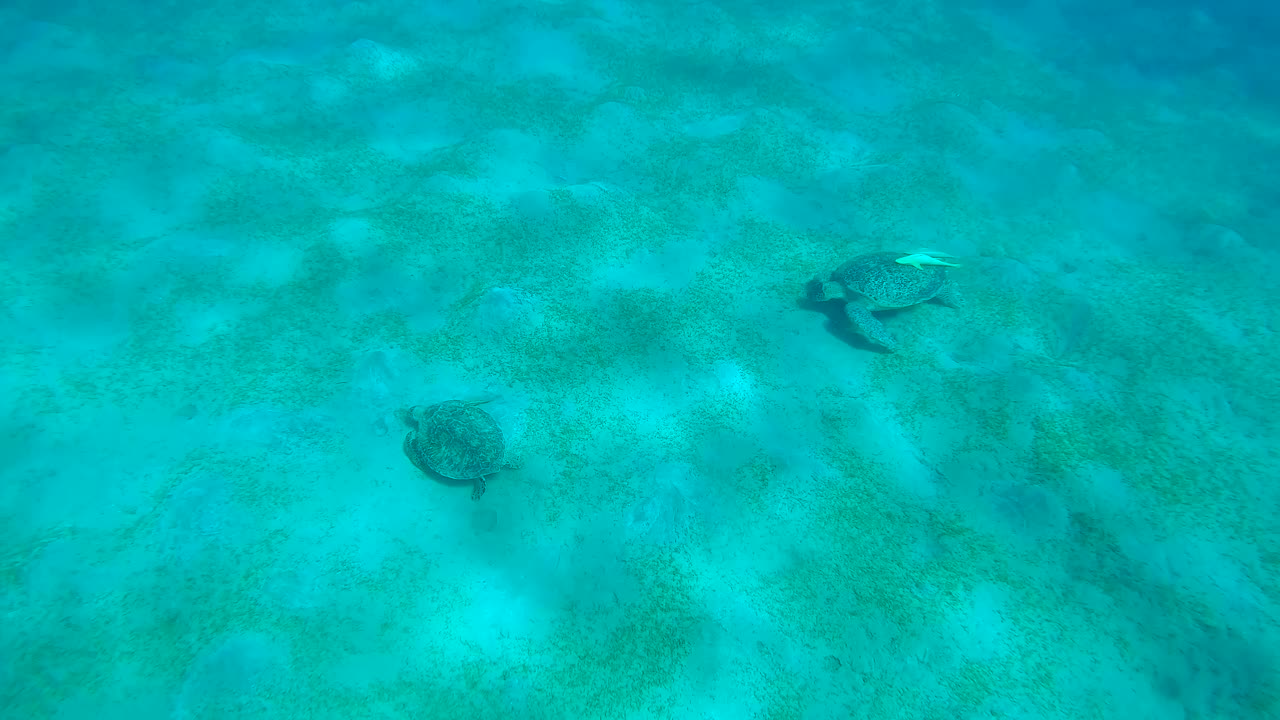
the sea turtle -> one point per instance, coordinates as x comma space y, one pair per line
456, 440
877, 281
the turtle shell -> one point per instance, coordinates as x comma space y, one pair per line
888, 284
455, 439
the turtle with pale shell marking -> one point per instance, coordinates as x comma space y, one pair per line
882, 281
456, 440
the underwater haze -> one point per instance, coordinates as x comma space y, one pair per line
640, 359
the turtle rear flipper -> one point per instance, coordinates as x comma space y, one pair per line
870, 328
477, 490
948, 295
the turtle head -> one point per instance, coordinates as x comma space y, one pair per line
406, 416
413, 415
819, 290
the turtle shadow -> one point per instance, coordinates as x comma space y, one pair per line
838, 324
447, 481
444, 479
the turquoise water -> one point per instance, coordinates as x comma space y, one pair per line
239, 240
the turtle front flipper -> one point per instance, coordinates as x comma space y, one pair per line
869, 327
411, 451
477, 490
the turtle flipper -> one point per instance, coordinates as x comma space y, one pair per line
411, 451
477, 490
948, 295
869, 327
